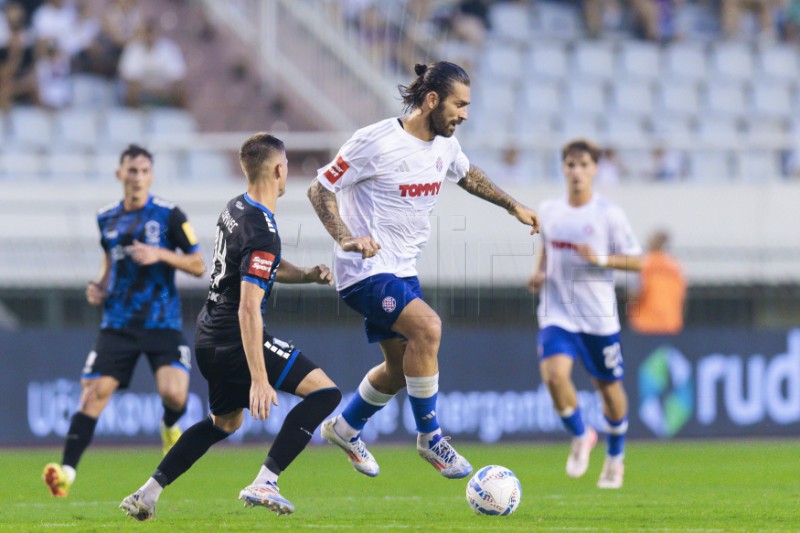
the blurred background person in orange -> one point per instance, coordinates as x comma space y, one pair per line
658, 308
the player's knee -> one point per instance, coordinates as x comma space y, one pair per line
555, 380
228, 423
325, 400
429, 330
174, 398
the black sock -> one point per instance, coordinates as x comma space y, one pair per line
170, 416
192, 445
299, 426
81, 430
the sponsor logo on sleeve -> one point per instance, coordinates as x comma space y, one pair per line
261, 264
336, 169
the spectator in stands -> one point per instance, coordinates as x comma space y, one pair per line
667, 165
470, 21
120, 21
656, 19
609, 169
599, 15
658, 307
791, 21
17, 80
56, 20
764, 10
54, 88
511, 169
153, 69
82, 46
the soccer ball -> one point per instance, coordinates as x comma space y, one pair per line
494, 490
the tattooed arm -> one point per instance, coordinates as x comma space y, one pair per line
324, 202
477, 183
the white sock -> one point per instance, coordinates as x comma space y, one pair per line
70, 473
152, 490
426, 438
616, 458
345, 430
266, 476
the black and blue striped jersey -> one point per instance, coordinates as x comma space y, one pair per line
247, 248
143, 296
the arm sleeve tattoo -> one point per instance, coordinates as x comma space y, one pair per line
324, 202
477, 183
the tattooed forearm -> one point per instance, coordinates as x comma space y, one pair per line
324, 202
476, 182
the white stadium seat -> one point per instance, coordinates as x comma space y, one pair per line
205, 165
778, 62
21, 165
592, 60
557, 21
639, 60
625, 130
77, 127
718, 130
501, 62
168, 166
170, 122
725, 98
122, 127
541, 97
685, 62
709, 166
586, 97
672, 129
67, 167
632, 97
757, 166
31, 127
573, 125
766, 131
771, 98
510, 21
678, 98
732, 61
547, 61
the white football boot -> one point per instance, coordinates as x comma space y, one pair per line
356, 450
578, 459
138, 509
443, 457
613, 473
266, 495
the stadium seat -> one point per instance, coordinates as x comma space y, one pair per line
592, 60
31, 127
542, 97
732, 62
170, 122
547, 61
103, 165
778, 62
678, 98
639, 60
93, 92
122, 126
757, 166
586, 97
510, 21
718, 131
77, 128
672, 129
557, 21
573, 125
709, 166
725, 98
168, 166
771, 99
73, 167
496, 97
2, 131
685, 62
21, 165
501, 62
632, 97
534, 127
766, 132
625, 130
208, 165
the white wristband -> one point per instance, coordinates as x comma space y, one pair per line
602, 261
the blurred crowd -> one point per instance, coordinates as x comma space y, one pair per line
43, 43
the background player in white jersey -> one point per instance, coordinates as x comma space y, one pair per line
586, 237
375, 199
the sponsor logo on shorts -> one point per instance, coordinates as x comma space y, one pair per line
261, 264
389, 304
336, 170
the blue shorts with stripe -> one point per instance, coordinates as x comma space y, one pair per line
380, 299
601, 355
228, 375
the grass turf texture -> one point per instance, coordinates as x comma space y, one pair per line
690, 486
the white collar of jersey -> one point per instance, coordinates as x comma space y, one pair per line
411, 138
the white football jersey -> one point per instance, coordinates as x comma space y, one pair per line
386, 183
577, 296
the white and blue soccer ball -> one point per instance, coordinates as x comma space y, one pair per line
494, 490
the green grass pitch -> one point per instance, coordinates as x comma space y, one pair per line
687, 486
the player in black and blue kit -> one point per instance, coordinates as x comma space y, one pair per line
140, 236
244, 365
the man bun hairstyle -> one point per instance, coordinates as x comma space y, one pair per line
581, 145
438, 77
257, 149
133, 151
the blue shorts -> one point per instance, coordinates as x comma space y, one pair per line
380, 299
601, 355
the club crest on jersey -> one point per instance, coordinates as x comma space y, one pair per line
439, 164
389, 304
152, 233
336, 170
261, 264
420, 189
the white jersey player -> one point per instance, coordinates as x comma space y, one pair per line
375, 199
585, 238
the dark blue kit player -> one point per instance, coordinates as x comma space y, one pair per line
141, 236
